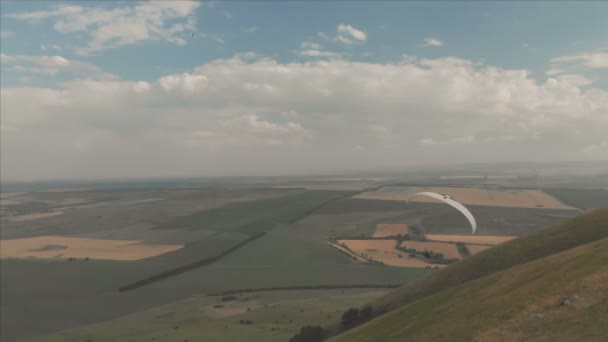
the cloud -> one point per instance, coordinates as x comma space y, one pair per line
593, 60
236, 116
318, 53
432, 42
250, 29
45, 47
170, 21
323, 35
553, 72
576, 80
310, 45
347, 34
51, 65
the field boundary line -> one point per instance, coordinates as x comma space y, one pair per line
306, 287
188, 267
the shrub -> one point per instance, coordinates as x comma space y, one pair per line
309, 333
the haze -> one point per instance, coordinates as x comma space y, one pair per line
126, 89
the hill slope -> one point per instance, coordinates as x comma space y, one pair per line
561, 297
580, 230
574, 232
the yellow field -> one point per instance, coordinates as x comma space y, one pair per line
389, 229
384, 251
477, 239
70, 247
516, 198
35, 216
474, 249
449, 250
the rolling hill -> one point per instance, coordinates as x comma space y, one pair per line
561, 297
584, 231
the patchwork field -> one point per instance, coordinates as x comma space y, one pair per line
474, 239
494, 197
447, 249
389, 229
150, 226
384, 251
70, 247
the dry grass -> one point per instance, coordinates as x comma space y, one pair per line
517, 198
70, 247
449, 250
385, 252
389, 229
474, 249
477, 239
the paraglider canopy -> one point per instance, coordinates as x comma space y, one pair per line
448, 200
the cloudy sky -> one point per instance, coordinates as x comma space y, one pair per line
152, 89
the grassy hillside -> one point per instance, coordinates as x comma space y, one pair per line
574, 232
571, 233
560, 297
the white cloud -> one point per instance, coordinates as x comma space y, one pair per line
576, 80
171, 21
351, 31
347, 34
51, 65
555, 71
593, 60
323, 35
266, 117
310, 45
318, 53
45, 47
432, 42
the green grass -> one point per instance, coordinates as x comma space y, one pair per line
283, 311
501, 306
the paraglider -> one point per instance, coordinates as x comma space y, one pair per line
448, 200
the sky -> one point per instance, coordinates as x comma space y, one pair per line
126, 89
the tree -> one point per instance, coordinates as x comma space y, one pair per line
350, 317
366, 313
309, 333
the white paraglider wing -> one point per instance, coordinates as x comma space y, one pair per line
453, 203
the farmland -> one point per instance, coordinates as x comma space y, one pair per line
387, 229
493, 197
70, 247
279, 237
473, 239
